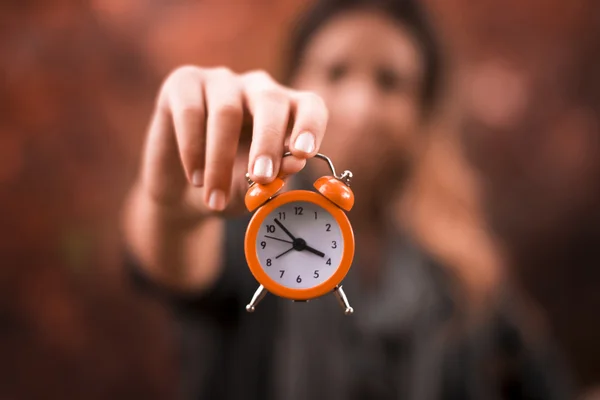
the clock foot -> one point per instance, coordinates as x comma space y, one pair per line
341, 296
258, 296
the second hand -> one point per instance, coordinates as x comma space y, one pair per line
281, 240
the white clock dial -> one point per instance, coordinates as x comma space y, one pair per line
307, 254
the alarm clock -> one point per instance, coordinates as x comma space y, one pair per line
299, 244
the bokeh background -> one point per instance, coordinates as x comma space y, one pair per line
77, 85
78, 80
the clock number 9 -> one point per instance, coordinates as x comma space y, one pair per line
263, 244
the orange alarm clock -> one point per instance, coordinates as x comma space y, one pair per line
299, 244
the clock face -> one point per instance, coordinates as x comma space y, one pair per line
299, 245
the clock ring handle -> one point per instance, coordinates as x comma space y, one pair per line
345, 177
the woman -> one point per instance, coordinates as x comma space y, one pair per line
367, 72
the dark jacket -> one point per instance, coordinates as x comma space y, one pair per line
401, 342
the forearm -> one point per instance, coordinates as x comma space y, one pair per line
176, 252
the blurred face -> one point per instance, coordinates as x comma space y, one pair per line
368, 69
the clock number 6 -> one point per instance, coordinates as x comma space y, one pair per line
298, 279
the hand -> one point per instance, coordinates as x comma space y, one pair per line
314, 251
281, 240
302, 247
211, 124
285, 252
299, 244
283, 228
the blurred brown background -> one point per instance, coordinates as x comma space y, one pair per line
77, 85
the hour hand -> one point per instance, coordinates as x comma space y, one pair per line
314, 251
284, 229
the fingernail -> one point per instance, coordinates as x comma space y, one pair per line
197, 178
305, 142
216, 200
263, 167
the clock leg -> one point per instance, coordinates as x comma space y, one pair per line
258, 296
341, 296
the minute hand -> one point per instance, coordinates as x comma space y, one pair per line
284, 229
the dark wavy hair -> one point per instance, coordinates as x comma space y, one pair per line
405, 12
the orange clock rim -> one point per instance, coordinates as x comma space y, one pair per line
283, 291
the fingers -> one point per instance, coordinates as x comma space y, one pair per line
161, 175
310, 123
198, 123
291, 165
174, 137
225, 114
185, 99
270, 106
